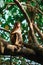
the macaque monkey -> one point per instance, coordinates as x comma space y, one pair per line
16, 36
15, 33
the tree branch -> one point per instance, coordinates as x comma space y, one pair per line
35, 54
35, 8
4, 30
11, 3
38, 30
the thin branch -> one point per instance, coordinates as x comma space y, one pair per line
38, 30
11, 3
7, 4
36, 43
38, 5
4, 30
34, 8
40, 11
25, 5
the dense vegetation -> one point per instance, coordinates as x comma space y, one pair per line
10, 13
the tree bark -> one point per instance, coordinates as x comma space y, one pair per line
28, 51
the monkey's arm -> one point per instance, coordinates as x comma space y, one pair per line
16, 31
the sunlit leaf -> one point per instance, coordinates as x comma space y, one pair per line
6, 27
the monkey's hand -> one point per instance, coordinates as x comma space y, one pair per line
12, 47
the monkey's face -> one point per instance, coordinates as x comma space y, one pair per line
18, 25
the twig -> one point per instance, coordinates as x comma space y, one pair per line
38, 30
34, 8
11, 3
40, 11
24, 5
4, 30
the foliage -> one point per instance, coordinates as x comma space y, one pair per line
9, 14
